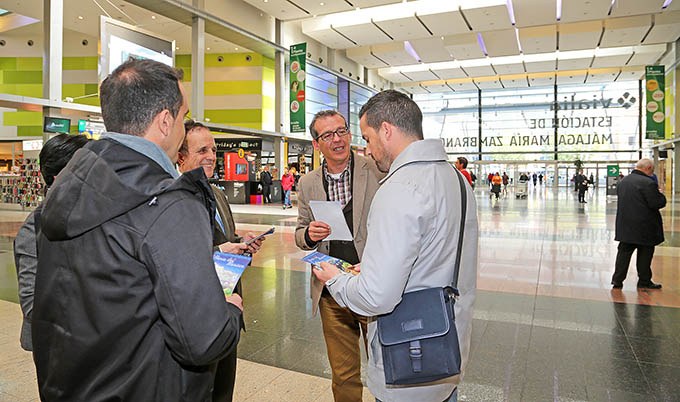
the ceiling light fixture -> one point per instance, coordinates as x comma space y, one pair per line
235, 48
80, 17
153, 17
480, 40
207, 48
266, 1
519, 44
177, 48
411, 51
511, 12
321, 4
559, 10
666, 3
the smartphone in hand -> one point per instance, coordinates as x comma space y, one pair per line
261, 235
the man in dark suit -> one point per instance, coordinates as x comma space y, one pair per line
199, 150
266, 180
638, 224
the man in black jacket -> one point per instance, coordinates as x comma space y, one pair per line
128, 306
638, 224
266, 179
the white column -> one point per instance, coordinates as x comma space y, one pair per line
198, 64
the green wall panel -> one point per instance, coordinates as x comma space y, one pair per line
22, 77
187, 74
8, 63
22, 118
91, 89
10, 89
229, 116
32, 90
30, 131
233, 60
268, 63
268, 75
233, 88
183, 60
29, 63
72, 90
79, 63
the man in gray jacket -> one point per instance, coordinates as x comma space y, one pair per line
413, 228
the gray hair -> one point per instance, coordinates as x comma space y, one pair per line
644, 164
323, 113
396, 108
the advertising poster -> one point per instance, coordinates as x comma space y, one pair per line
655, 105
298, 55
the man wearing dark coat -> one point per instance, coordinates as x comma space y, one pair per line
638, 224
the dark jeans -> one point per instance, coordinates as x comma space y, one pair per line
225, 377
582, 196
266, 194
644, 262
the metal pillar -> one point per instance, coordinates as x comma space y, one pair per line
53, 50
280, 105
198, 64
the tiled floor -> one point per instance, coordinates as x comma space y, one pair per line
547, 326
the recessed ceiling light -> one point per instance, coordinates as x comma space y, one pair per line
321, 4
266, 1
80, 17
442, 38
153, 17
235, 48
177, 48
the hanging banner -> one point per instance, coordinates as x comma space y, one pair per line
298, 56
655, 105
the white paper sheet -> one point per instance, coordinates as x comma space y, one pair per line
330, 213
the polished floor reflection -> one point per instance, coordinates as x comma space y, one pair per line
547, 325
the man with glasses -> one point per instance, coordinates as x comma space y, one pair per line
351, 180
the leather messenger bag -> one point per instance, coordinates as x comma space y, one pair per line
419, 338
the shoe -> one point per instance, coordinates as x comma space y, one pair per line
650, 285
617, 285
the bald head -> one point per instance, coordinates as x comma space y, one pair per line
646, 166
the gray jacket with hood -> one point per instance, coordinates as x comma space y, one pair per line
127, 302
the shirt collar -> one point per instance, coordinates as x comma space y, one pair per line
430, 150
146, 148
344, 172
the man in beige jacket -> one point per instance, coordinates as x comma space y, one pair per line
352, 180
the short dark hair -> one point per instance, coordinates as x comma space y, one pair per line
56, 153
323, 113
135, 92
396, 108
463, 161
189, 125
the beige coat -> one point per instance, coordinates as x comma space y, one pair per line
310, 187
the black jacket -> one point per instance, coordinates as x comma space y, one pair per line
266, 178
638, 220
128, 306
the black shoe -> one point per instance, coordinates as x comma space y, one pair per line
650, 285
617, 285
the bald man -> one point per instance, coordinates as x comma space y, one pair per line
638, 224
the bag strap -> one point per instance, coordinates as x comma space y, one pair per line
463, 207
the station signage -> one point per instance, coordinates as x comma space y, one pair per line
297, 73
655, 84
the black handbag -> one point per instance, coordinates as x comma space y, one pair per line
419, 338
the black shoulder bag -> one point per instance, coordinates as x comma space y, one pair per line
419, 338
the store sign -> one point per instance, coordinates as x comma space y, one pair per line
528, 140
226, 144
297, 66
32, 145
655, 83
296, 148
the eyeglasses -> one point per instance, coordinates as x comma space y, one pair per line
328, 135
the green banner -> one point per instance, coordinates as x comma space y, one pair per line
655, 104
296, 65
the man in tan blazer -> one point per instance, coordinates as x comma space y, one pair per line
199, 150
352, 180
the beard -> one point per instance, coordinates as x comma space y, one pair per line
383, 163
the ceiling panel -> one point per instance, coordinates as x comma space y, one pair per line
431, 50
628, 74
426, 75
666, 27
477, 68
625, 31
442, 19
393, 53
464, 46
517, 68
281, 9
402, 28
530, 13
541, 39
491, 84
315, 7
609, 76
584, 10
330, 38
416, 89
611, 57
571, 78
539, 66
363, 33
487, 15
450, 73
541, 81
363, 56
438, 88
624, 8
580, 35
393, 74
372, 3
674, 6
574, 64
466, 85
501, 43
520, 82
646, 55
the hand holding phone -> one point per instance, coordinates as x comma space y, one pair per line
261, 235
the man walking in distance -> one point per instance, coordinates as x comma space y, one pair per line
127, 302
461, 165
199, 151
351, 180
266, 180
412, 239
638, 224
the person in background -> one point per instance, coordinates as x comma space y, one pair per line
266, 180
489, 178
496, 182
287, 181
592, 180
461, 165
540, 178
350, 179
638, 224
128, 305
534, 178
473, 177
505, 179
524, 178
582, 188
54, 155
198, 150
410, 244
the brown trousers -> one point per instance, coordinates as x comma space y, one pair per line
341, 330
